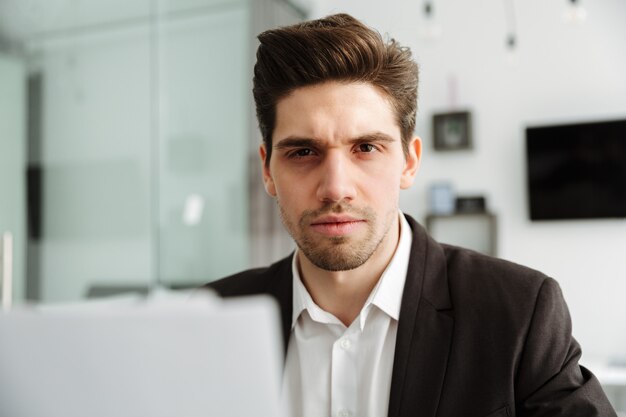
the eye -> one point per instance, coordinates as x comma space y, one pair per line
301, 153
366, 147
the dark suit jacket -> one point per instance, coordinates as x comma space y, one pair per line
477, 336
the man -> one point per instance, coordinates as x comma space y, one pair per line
379, 319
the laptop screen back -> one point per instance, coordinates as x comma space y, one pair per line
182, 361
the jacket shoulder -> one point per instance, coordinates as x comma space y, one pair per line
471, 270
498, 297
251, 281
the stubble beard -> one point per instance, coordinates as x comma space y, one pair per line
338, 253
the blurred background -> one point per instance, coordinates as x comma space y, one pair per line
128, 142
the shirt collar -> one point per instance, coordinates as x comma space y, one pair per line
386, 295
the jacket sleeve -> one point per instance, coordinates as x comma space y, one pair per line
549, 380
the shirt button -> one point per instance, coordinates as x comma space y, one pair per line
345, 344
344, 413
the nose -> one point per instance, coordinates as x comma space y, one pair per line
337, 178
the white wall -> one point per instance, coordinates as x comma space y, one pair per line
563, 73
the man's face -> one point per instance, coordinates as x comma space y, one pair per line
336, 169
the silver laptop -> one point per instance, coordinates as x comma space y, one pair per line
189, 359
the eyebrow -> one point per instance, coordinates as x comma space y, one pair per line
301, 142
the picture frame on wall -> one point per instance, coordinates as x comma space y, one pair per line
452, 131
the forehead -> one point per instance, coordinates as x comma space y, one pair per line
335, 111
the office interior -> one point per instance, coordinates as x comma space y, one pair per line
128, 142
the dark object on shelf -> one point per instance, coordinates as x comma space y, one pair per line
34, 201
577, 171
452, 131
112, 289
474, 204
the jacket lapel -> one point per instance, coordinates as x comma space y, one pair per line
424, 331
280, 286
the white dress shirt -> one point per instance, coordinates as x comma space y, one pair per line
338, 371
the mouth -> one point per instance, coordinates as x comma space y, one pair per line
337, 225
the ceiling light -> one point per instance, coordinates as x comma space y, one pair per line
575, 13
430, 29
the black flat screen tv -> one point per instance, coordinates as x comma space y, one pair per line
577, 171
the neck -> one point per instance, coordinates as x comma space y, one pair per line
343, 293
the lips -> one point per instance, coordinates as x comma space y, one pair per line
337, 225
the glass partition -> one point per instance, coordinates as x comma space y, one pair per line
93, 158
203, 140
12, 182
137, 143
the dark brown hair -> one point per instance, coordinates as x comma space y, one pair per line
335, 48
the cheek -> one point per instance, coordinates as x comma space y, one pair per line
291, 197
292, 185
383, 196
381, 181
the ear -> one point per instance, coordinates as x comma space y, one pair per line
270, 188
412, 162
